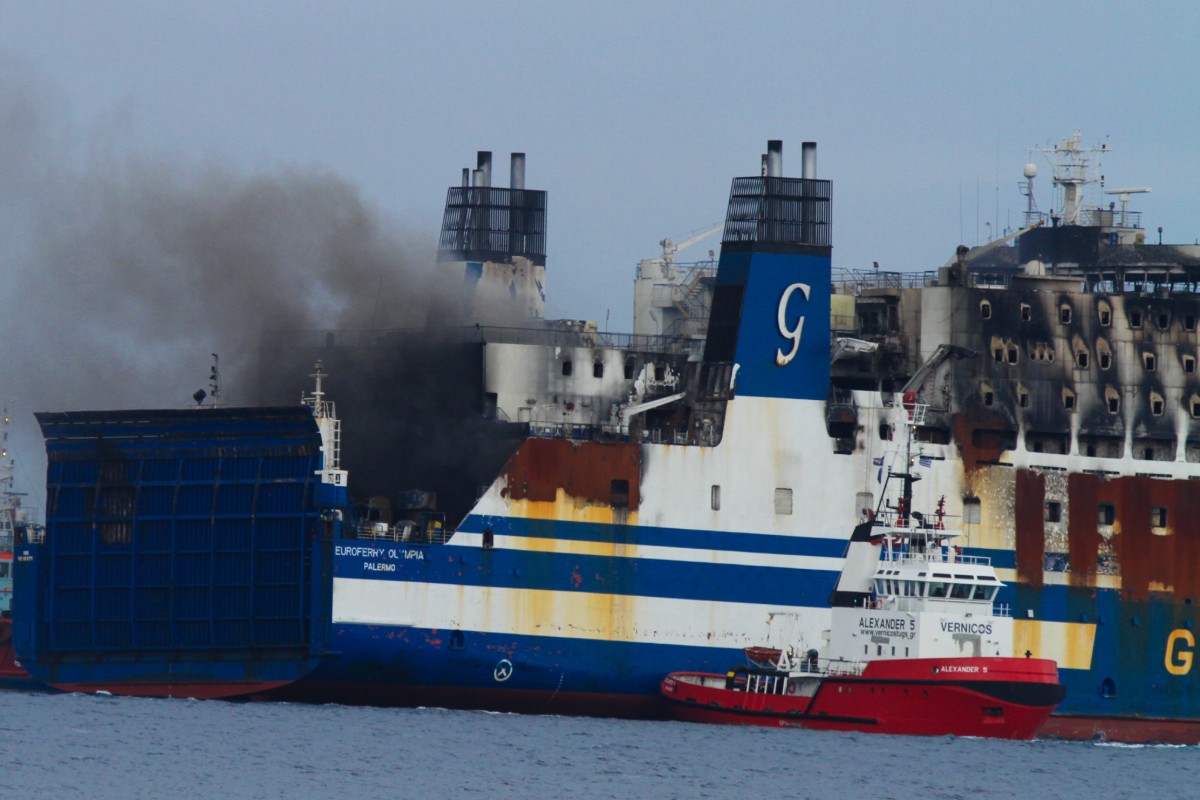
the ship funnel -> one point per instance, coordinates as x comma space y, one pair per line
775, 158
483, 224
516, 172
808, 160
484, 165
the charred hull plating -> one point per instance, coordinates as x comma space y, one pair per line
673, 500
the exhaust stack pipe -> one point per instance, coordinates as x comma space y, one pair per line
808, 160
516, 172
775, 158
484, 164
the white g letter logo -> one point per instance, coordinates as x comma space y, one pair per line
790, 333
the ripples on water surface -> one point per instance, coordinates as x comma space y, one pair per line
108, 747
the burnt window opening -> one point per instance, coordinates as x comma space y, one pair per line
994, 438
998, 355
1194, 407
568, 367
1149, 361
933, 435
660, 372
1023, 399
1105, 315
971, 510
985, 309
885, 432
619, 491
1189, 364
1164, 321
1012, 353
988, 397
597, 369
1058, 444
1189, 322
1114, 403
1148, 454
715, 497
1053, 511
489, 539
1068, 400
1064, 315
1026, 312
1081, 359
630, 366
1104, 360
1135, 319
1158, 517
1050, 353
1090, 450
1106, 514
1156, 405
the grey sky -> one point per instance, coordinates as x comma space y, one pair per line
634, 116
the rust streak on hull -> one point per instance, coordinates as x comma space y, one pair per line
585, 470
1031, 543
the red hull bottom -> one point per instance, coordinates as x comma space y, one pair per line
993, 698
12, 676
1116, 729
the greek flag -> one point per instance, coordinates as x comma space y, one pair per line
926, 461
877, 461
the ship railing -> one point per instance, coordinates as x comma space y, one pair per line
774, 679
431, 530
585, 337
572, 336
936, 557
855, 281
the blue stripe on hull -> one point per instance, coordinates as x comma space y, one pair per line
733, 541
515, 569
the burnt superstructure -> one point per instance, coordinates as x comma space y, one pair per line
585, 511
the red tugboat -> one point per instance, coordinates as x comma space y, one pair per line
916, 646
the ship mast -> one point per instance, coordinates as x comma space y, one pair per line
1073, 170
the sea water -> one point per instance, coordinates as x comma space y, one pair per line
96, 746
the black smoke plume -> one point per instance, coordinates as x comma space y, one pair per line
123, 272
